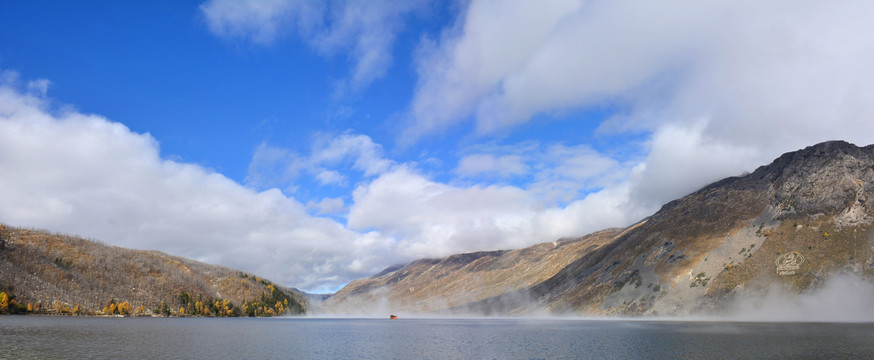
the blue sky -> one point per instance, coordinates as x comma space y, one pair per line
208, 100
318, 142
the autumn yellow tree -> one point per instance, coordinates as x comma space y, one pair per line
279, 308
4, 303
226, 307
124, 308
61, 308
217, 305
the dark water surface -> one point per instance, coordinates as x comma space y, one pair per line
39, 337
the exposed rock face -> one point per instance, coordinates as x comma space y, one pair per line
811, 208
828, 178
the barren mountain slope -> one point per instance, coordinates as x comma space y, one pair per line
794, 222
728, 238
430, 285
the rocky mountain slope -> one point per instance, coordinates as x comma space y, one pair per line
51, 273
430, 285
791, 223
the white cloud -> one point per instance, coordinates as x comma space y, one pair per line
273, 166
367, 156
489, 41
328, 206
555, 55
485, 164
83, 174
436, 219
683, 159
554, 173
330, 177
328, 160
564, 173
720, 87
39, 87
259, 21
366, 30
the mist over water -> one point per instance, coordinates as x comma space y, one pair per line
841, 298
844, 297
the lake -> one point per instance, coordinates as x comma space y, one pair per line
45, 337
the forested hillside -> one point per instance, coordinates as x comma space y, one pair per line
42, 272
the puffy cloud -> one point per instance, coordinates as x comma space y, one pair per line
83, 174
330, 177
274, 166
366, 30
717, 87
558, 191
258, 21
328, 206
367, 156
682, 159
742, 62
564, 173
491, 40
436, 219
552, 172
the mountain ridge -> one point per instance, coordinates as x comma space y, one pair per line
695, 254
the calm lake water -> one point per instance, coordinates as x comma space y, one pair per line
40, 337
